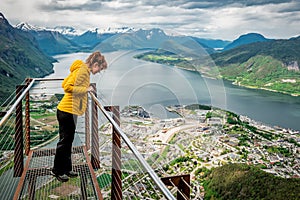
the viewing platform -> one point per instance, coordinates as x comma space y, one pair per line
37, 182
109, 166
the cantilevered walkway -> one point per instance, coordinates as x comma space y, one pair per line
37, 183
106, 171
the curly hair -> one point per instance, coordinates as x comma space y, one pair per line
96, 57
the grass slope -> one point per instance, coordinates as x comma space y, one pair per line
20, 57
263, 72
241, 181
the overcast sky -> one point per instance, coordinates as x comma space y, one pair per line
217, 19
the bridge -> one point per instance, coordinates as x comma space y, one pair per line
107, 161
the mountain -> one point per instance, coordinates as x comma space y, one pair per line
67, 31
242, 181
66, 39
134, 40
246, 39
153, 39
20, 57
126, 38
51, 42
271, 65
90, 38
212, 43
285, 50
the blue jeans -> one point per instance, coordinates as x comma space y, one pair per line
67, 126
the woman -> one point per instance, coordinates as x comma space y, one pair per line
73, 104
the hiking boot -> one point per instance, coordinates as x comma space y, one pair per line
61, 178
72, 174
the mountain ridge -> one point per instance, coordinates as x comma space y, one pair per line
51, 42
59, 40
91, 38
20, 57
246, 39
284, 49
272, 65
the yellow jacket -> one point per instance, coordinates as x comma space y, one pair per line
75, 86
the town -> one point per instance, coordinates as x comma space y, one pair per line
209, 138
201, 138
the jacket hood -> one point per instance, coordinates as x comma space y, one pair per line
76, 65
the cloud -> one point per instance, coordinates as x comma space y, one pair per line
214, 4
292, 7
226, 19
65, 5
265, 2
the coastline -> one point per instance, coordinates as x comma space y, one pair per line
262, 88
233, 82
206, 75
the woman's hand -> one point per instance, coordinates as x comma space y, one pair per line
90, 89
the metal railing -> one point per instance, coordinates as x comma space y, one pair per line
15, 135
162, 187
30, 83
17, 102
118, 134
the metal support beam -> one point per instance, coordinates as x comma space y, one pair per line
87, 127
32, 186
116, 190
95, 155
27, 119
83, 183
182, 182
19, 157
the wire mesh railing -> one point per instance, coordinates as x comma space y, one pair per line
24, 126
138, 179
122, 171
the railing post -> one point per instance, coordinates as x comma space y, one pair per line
87, 127
95, 155
182, 182
116, 185
18, 157
32, 186
27, 120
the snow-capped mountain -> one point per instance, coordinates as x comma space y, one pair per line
63, 39
116, 30
66, 30
50, 41
28, 27
71, 31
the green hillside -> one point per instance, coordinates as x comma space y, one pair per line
20, 57
241, 181
285, 51
53, 43
271, 65
263, 72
